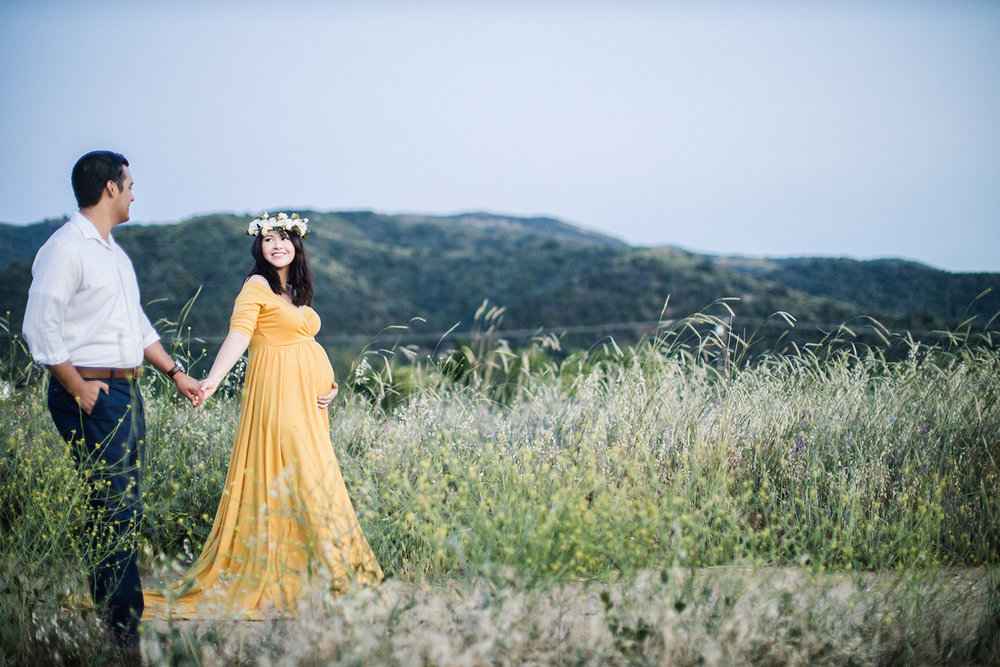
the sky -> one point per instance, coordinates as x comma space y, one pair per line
824, 128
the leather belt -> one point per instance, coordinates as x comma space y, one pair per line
109, 373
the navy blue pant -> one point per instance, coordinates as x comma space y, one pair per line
107, 448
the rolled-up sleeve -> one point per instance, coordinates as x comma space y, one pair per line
55, 275
148, 332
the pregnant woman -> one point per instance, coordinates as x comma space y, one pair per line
285, 518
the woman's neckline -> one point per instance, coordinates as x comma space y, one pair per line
267, 288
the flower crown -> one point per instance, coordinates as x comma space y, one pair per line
263, 224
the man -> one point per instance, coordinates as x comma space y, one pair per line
84, 321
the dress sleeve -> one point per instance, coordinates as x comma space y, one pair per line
246, 309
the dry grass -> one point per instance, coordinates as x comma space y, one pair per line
710, 616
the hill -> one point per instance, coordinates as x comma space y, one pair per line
22, 241
374, 270
923, 295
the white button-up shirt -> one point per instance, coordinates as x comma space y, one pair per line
83, 304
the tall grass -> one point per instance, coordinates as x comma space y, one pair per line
652, 455
518, 498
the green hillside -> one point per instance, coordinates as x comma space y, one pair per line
21, 241
374, 271
925, 296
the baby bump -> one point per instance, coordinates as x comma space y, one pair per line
320, 371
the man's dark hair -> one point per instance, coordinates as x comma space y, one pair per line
92, 172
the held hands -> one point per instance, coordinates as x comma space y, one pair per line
190, 389
209, 386
232, 349
323, 402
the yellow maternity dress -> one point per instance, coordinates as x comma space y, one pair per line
285, 520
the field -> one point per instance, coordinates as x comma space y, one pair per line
670, 502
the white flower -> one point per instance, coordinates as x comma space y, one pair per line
281, 222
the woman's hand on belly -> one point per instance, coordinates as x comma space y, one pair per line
323, 402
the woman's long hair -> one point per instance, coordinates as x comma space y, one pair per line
299, 276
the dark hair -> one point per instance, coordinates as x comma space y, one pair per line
299, 275
93, 171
